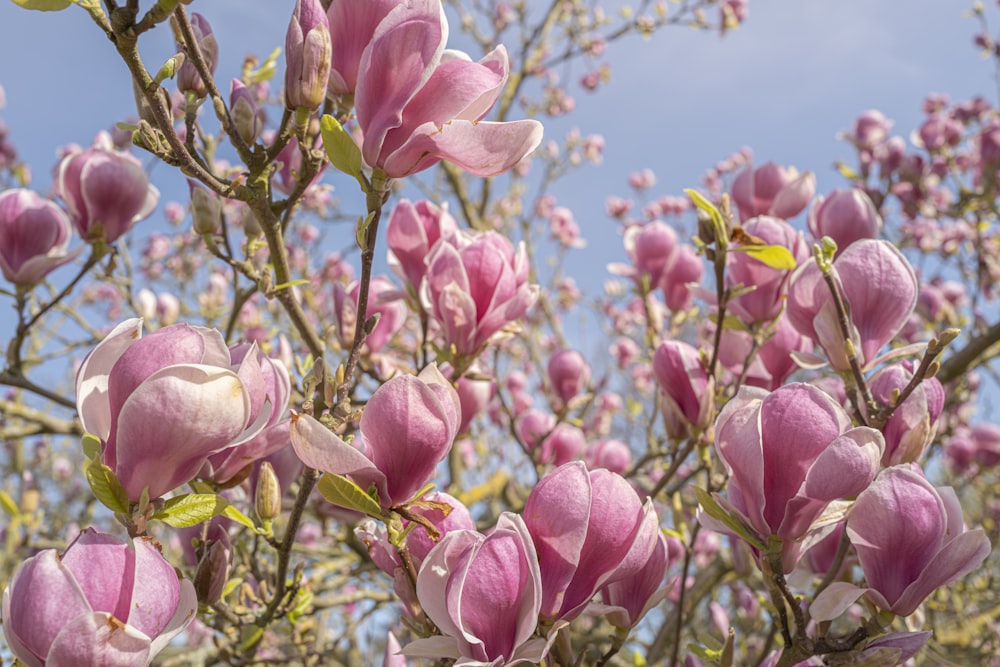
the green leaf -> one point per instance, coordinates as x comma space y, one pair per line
303, 598
344, 154
231, 512
847, 172
106, 487
191, 509
44, 5
715, 510
91, 446
721, 233
266, 70
344, 493
775, 256
8, 504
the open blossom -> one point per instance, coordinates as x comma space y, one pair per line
412, 231
418, 103
483, 592
352, 25
845, 216
772, 190
130, 386
408, 427
590, 529
879, 288
102, 602
476, 284
789, 454
910, 539
106, 192
34, 235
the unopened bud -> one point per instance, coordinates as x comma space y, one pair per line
213, 570
206, 210
267, 500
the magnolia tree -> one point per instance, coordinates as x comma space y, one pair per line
233, 445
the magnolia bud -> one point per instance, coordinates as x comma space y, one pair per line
206, 210
267, 499
213, 569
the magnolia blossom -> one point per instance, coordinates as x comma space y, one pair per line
106, 192
790, 453
188, 79
352, 25
628, 599
590, 529
913, 423
484, 594
910, 539
772, 190
879, 289
569, 374
418, 103
476, 284
769, 284
773, 361
845, 216
34, 235
307, 56
688, 389
408, 427
383, 300
412, 231
102, 602
163, 404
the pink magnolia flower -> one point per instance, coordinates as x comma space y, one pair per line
688, 390
352, 25
484, 594
880, 291
475, 394
628, 599
383, 300
590, 529
34, 235
789, 454
408, 427
129, 387
845, 216
686, 269
102, 602
476, 284
564, 442
106, 192
610, 454
248, 117
772, 190
773, 362
274, 437
188, 79
307, 56
569, 374
767, 299
910, 539
412, 231
914, 422
417, 103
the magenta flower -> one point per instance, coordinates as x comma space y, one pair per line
102, 602
569, 374
484, 594
914, 422
417, 103
686, 269
129, 387
773, 362
412, 232
590, 529
789, 454
911, 539
564, 442
34, 235
767, 299
408, 427
772, 190
627, 600
688, 390
845, 216
384, 300
106, 192
307, 56
352, 25
880, 291
476, 284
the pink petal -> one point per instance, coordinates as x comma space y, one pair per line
322, 450
97, 639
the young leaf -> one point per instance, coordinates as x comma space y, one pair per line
344, 154
8, 504
231, 512
775, 256
44, 5
91, 446
716, 511
106, 487
191, 509
344, 493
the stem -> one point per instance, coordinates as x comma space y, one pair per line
852, 357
